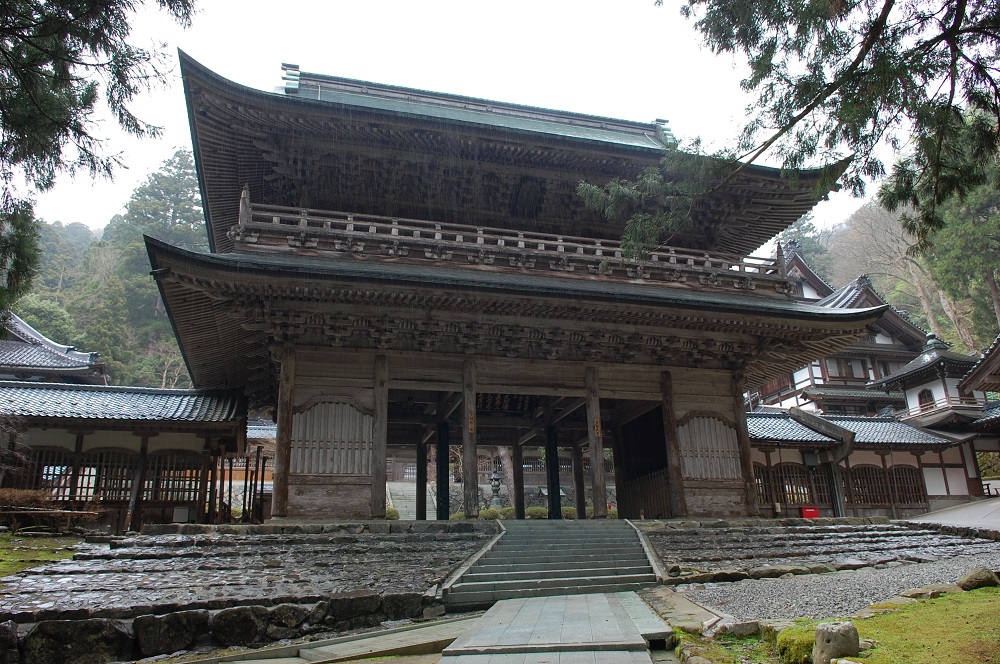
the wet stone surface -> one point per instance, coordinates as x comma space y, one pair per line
173, 572
837, 546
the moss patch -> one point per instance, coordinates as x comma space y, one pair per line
19, 553
961, 628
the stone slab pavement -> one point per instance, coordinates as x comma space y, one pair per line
598, 628
979, 514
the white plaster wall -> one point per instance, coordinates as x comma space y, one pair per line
176, 441
934, 479
952, 455
957, 481
902, 459
49, 438
119, 439
883, 338
865, 458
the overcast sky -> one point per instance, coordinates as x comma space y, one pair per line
623, 59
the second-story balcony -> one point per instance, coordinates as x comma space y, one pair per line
944, 411
307, 232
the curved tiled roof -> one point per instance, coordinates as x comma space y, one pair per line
868, 431
779, 427
17, 354
983, 376
102, 402
831, 391
29, 351
935, 352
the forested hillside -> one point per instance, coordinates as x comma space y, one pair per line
949, 289
97, 293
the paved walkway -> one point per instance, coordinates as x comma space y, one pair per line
978, 514
564, 629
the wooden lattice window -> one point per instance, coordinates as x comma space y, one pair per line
909, 485
821, 485
792, 480
868, 486
762, 479
106, 475
50, 470
926, 399
173, 477
533, 464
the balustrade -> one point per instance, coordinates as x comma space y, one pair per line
274, 228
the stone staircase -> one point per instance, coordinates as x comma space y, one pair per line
542, 558
402, 496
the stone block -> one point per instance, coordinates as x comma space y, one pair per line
379, 527
397, 606
978, 578
932, 591
77, 642
746, 628
239, 626
162, 635
833, 641
728, 575
287, 615
351, 605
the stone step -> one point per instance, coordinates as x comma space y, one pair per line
479, 599
500, 566
502, 583
530, 572
611, 548
582, 558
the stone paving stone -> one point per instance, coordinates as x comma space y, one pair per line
160, 574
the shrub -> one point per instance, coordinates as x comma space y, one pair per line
506, 512
14, 498
457, 516
391, 514
536, 513
569, 512
489, 513
612, 514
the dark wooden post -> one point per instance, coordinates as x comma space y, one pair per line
579, 486
380, 433
596, 441
517, 499
552, 471
421, 496
283, 442
443, 476
213, 469
675, 478
138, 480
74, 482
220, 516
743, 442
470, 456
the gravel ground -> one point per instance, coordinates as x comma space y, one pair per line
830, 595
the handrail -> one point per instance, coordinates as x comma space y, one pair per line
948, 401
362, 225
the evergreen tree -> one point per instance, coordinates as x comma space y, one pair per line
810, 243
837, 79
53, 54
48, 317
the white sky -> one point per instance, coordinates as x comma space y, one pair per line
622, 59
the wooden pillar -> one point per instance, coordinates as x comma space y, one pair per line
220, 515
552, 471
421, 497
743, 442
443, 476
213, 467
579, 486
138, 480
470, 456
675, 479
74, 482
890, 488
283, 440
517, 499
380, 435
596, 442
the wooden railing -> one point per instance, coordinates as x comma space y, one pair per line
944, 403
274, 228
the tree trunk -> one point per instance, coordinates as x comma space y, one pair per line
925, 300
507, 470
958, 320
991, 279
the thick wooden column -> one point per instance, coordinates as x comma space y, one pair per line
421, 497
74, 482
283, 437
596, 441
552, 472
443, 477
678, 503
517, 497
743, 441
470, 456
579, 486
380, 434
138, 482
